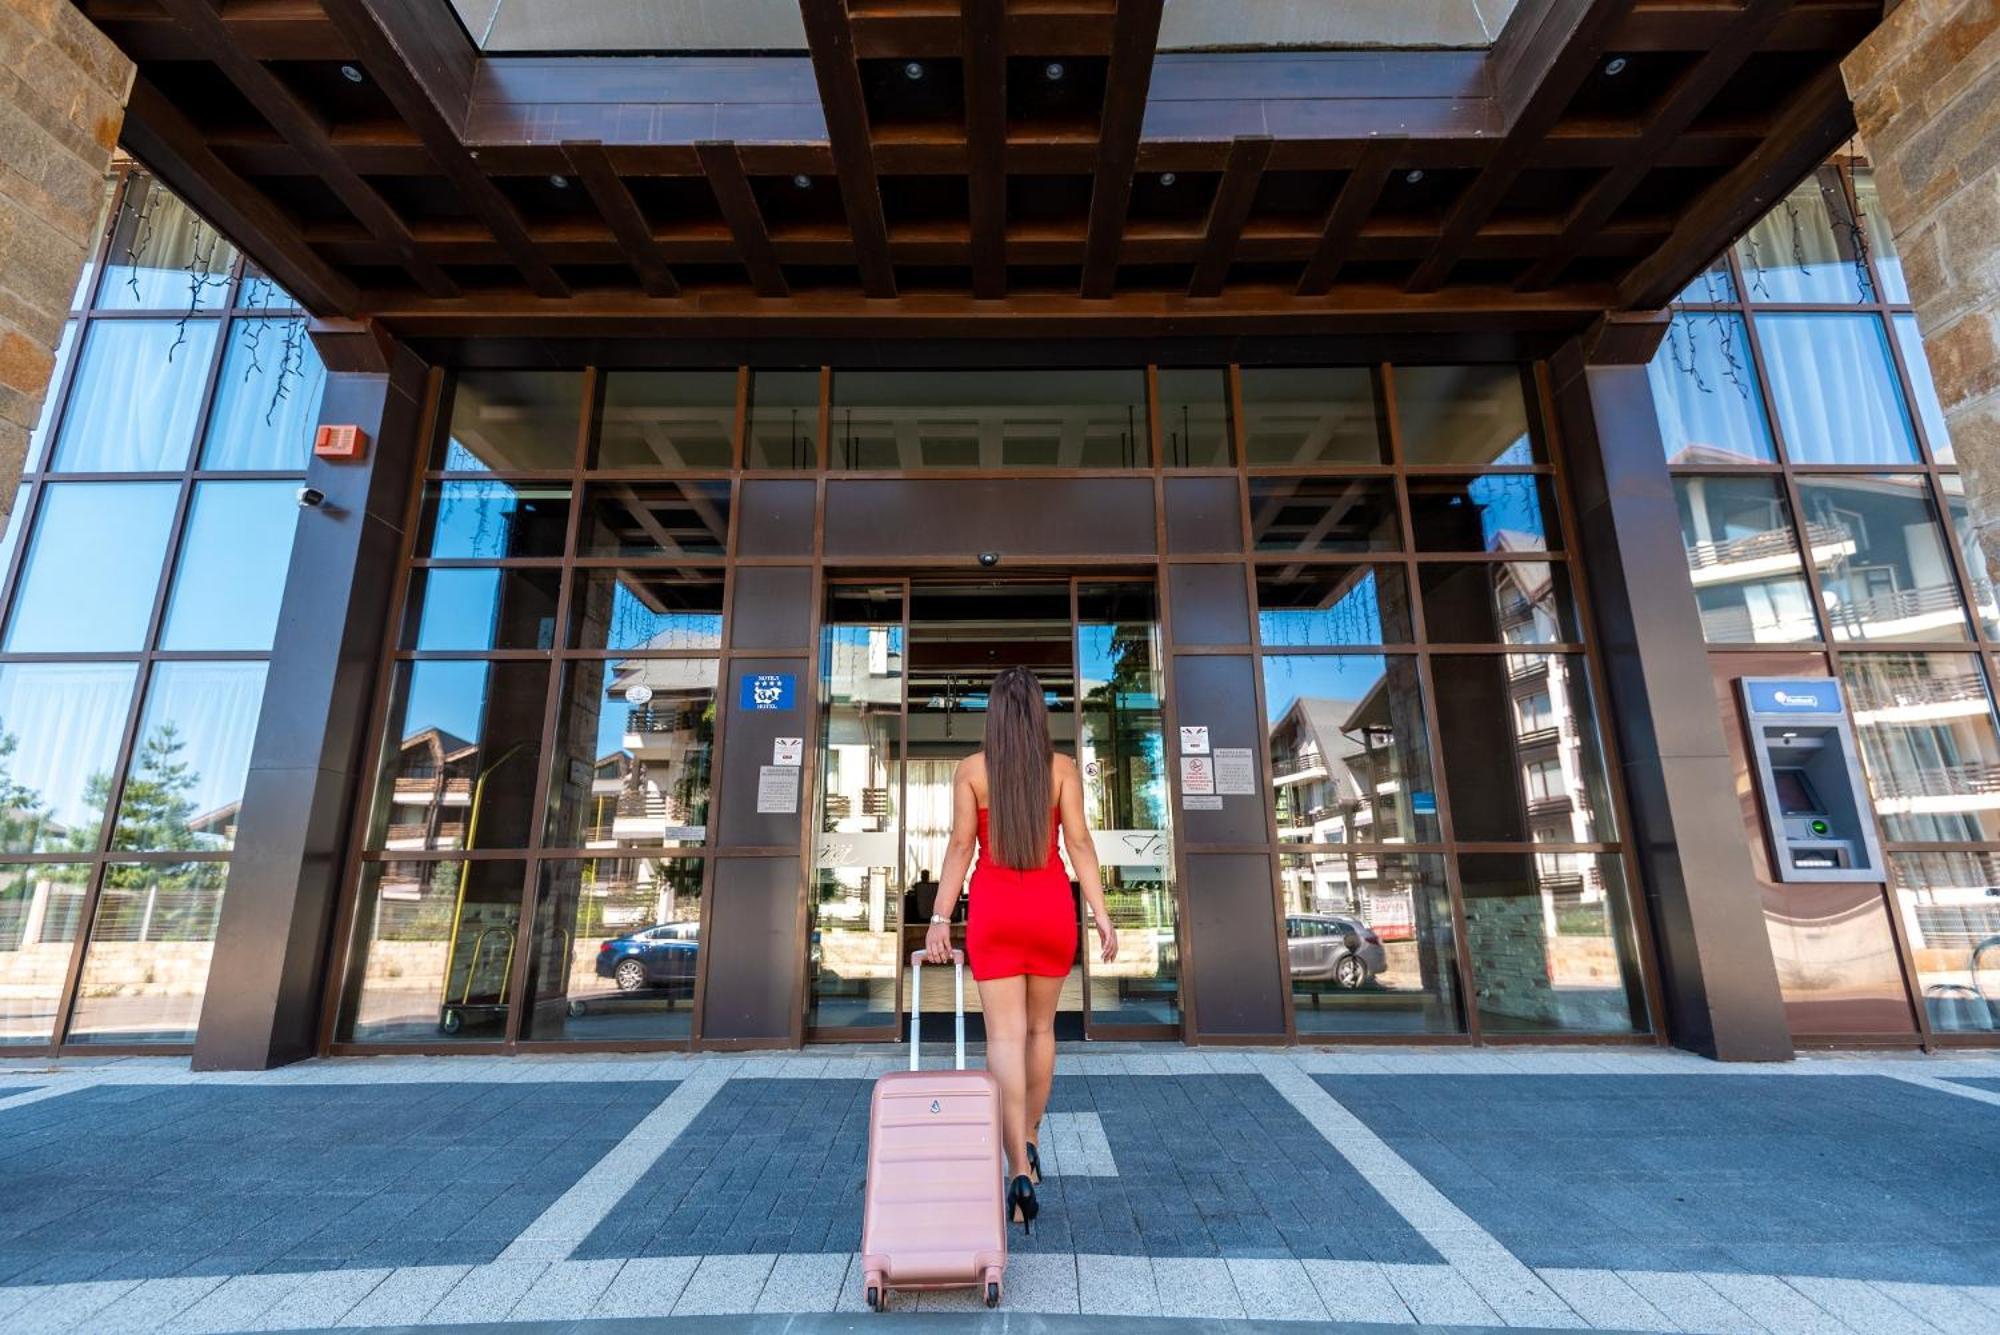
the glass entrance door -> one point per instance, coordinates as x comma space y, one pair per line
903, 674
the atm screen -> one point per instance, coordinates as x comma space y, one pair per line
1795, 795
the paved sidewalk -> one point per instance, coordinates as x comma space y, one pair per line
1620, 1190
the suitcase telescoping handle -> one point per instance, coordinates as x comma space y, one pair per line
958, 1004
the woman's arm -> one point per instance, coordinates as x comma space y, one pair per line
957, 863
1083, 856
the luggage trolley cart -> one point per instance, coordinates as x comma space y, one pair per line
479, 968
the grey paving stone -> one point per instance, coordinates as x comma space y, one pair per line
404, 1296
1518, 1294
1603, 1298
236, 1304
1689, 1303
1438, 1296
1116, 1286
323, 1299
567, 1290
152, 1306
1041, 1283
1775, 1305
1861, 1306
1357, 1291
1941, 1305
61, 1306
646, 1286
724, 1284
804, 1282
1196, 1286
1273, 1290
487, 1293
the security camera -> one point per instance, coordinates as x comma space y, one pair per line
989, 559
311, 498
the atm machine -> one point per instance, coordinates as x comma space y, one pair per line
1817, 816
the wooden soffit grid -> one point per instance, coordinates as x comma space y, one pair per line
1035, 163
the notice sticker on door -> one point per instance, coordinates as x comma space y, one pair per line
1197, 774
788, 750
1200, 802
1235, 771
1194, 741
777, 790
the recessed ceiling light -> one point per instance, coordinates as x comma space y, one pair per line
803, 181
1053, 71
1616, 66
1168, 178
352, 73
1414, 177
913, 70
559, 182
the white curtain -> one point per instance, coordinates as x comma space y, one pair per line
64, 720
252, 425
1837, 397
134, 406
212, 708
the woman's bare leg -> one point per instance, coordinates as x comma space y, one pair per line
1004, 1004
1043, 994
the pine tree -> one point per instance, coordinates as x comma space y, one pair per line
22, 811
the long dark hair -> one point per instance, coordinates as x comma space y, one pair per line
1018, 756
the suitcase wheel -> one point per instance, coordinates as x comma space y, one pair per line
877, 1293
992, 1295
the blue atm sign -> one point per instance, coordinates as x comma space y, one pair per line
1812, 695
769, 690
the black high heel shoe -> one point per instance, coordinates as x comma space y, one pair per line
1022, 1207
1034, 1164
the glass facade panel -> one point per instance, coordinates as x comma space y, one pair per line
1332, 605
1743, 557
38, 439
1836, 391
433, 952
1950, 904
1885, 570
989, 419
1499, 512
1350, 756
146, 965
1299, 416
1468, 416
1521, 749
646, 609
228, 589
483, 607
1324, 514
1976, 564
184, 788
1497, 602
267, 401
98, 545
1808, 249
60, 725
460, 756
1923, 389
782, 422
1369, 943
617, 950
667, 419
137, 397
1194, 419
641, 519
486, 521
1881, 241
1705, 392
856, 954
162, 256
513, 421
1928, 744
38, 912
1551, 944
635, 747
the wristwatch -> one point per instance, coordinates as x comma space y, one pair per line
939, 918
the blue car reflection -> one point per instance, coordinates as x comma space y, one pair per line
658, 958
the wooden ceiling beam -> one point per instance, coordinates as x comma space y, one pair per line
165, 140
592, 166
1833, 26
1135, 39
1358, 196
261, 29
1562, 55
1687, 99
985, 46
723, 166
935, 31
307, 136
1228, 212
833, 60
423, 66
1815, 122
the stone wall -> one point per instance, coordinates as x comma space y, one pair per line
1926, 90
62, 99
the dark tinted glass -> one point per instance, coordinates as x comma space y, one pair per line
433, 943
989, 419
1323, 415
1497, 602
646, 609
667, 419
1551, 944
494, 520
1324, 514
1500, 512
460, 756
1332, 605
511, 421
783, 421
1194, 419
483, 608
641, 519
1469, 415
1521, 750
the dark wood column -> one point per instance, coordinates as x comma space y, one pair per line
307, 768
1721, 987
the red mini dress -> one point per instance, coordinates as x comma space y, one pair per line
1020, 920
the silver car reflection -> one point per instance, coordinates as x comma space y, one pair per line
1326, 947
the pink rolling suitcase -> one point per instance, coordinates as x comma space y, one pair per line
934, 1216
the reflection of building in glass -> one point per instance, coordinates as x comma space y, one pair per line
655, 785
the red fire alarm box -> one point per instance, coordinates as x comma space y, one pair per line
346, 443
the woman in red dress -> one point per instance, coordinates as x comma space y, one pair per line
1008, 802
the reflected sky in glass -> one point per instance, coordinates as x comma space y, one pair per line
97, 545
193, 755
267, 400
233, 562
